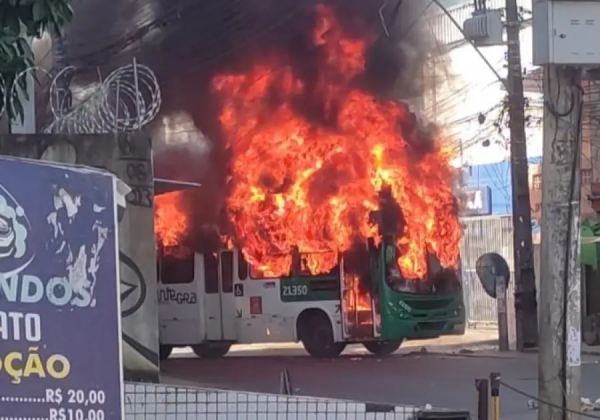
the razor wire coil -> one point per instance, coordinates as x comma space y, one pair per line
125, 101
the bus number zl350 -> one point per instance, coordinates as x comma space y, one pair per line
295, 290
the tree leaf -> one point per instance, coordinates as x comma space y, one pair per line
39, 10
12, 23
20, 19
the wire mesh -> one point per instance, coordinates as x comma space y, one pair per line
161, 402
482, 235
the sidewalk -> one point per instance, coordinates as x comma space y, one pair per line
475, 343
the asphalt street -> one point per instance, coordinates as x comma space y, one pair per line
410, 377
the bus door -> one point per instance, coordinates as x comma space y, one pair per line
344, 302
219, 303
375, 311
228, 314
357, 306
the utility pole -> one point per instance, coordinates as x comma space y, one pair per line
525, 289
560, 291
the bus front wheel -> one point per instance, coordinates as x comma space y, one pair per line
211, 350
382, 348
460, 329
317, 337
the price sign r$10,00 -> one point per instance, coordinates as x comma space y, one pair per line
80, 400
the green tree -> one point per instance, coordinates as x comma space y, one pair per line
21, 20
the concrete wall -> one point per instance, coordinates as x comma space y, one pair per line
130, 158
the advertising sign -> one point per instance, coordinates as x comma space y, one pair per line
60, 352
477, 201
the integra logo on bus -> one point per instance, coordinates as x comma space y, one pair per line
170, 295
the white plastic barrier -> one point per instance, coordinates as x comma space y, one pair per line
164, 402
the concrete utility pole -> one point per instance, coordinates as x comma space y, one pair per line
525, 290
560, 291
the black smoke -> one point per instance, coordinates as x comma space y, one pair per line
187, 42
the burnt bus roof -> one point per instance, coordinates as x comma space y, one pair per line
163, 186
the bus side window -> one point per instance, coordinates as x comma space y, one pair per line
175, 270
211, 274
227, 271
242, 266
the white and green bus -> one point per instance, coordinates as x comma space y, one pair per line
210, 302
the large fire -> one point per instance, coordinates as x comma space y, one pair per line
170, 219
313, 185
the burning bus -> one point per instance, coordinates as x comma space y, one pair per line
341, 222
211, 301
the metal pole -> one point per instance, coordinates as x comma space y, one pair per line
136, 84
525, 293
483, 409
560, 292
502, 313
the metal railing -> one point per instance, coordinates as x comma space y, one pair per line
482, 235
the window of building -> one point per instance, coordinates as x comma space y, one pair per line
586, 176
537, 182
176, 270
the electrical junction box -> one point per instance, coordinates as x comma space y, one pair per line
566, 33
484, 28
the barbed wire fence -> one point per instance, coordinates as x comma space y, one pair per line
125, 101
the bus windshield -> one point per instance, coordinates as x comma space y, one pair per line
437, 280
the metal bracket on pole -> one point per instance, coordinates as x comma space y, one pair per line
502, 313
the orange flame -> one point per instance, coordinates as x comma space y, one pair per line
297, 183
170, 221
355, 299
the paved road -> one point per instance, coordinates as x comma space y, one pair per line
443, 380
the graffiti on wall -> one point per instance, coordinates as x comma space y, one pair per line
133, 284
138, 173
138, 303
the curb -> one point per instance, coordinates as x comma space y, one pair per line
469, 354
166, 380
